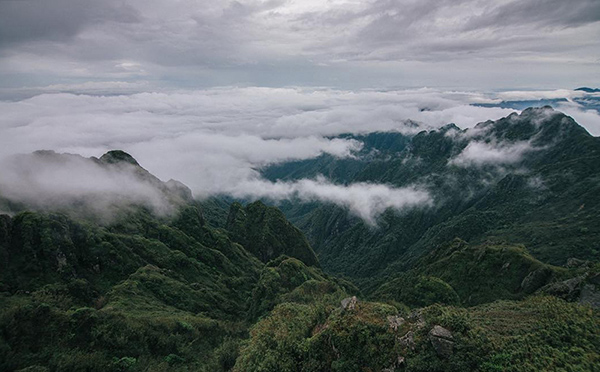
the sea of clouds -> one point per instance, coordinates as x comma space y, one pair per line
217, 140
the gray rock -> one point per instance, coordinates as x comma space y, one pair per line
535, 279
395, 322
590, 295
568, 290
399, 362
408, 340
442, 341
577, 263
349, 303
416, 317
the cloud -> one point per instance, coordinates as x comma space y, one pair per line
480, 153
216, 140
71, 183
365, 200
340, 43
545, 13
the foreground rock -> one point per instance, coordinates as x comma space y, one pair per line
442, 341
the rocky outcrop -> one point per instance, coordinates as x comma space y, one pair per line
568, 290
349, 303
536, 279
407, 341
395, 322
584, 289
442, 341
590, 295
574, 263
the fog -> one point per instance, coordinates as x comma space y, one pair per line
216, 140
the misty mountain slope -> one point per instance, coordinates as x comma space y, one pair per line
136, 287
139, 288
85, 187
531, 178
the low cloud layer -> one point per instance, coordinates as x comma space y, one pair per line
479, 153
365, 200
217, 140
48, 181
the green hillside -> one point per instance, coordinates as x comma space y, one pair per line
502, 273
547, 199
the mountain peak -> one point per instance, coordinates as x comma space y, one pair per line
118, 156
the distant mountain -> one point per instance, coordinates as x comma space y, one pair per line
85, 187
588, 90
530, 179
588, 101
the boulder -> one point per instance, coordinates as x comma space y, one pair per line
395, 322
408, 340
349, 303
590, 295
536, 279
442, 341
573, 263
568, 290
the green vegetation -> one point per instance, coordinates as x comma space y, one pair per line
265, 232
548, 201
538, 334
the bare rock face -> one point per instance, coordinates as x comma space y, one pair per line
577, 263
408, 340
590, 295
349, 303
442, 341
395, 322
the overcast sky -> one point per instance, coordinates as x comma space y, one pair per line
135, 45
209, 91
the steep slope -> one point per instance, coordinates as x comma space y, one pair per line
141, 291
265, 232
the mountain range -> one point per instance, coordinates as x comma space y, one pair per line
498, 272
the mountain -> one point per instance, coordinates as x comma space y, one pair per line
266, 233
530, 178
588, 90
141, 290
116, 270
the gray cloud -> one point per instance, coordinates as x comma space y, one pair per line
338, 43
57, 20
365, 200
546, 13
